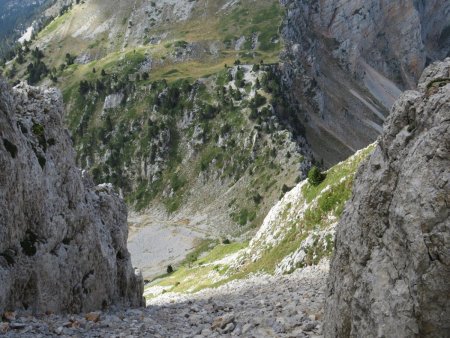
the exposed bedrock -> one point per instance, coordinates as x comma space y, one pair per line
391, 268
62, 239
346, 62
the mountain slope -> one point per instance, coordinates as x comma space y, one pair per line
211, 32
154, 109
297, 232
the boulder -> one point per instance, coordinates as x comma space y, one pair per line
62, 240
390, 272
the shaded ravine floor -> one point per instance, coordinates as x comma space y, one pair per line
260, 306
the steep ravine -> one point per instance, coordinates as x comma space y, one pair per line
389, 274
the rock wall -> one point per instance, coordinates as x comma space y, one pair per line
346, 62
391, 268
62, 240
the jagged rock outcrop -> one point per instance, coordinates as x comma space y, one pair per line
389, 275
346, 62
62, 240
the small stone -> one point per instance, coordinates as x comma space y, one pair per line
228, 328
279, 326
93, 316
309, 326
317, 316
221, 321
206, 332
17, 326
72, 324
4, 327
67, 332
247, 327
298, 333
9, 316
238, 330
134, 312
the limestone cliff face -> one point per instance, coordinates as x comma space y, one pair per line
389, 275
62, 240
346, 62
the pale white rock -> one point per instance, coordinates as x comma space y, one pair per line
240, 43
113, 101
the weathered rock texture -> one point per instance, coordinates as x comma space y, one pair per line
391, 269
62, 240
346, 62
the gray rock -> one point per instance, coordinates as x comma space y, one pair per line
222, 321
17, 326
240, 43
348, 61
237, 330
247, 327
206, 332
389, 275
59, 330
113, 101
309, 326
63, 240
228, 328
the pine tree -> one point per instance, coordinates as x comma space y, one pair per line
315, 177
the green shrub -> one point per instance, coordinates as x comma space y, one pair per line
315, 177
39, 132
285, 188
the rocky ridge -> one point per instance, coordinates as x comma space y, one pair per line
390, 271
62, 239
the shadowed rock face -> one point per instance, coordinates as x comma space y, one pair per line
391, 269
62, 240
346, 62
